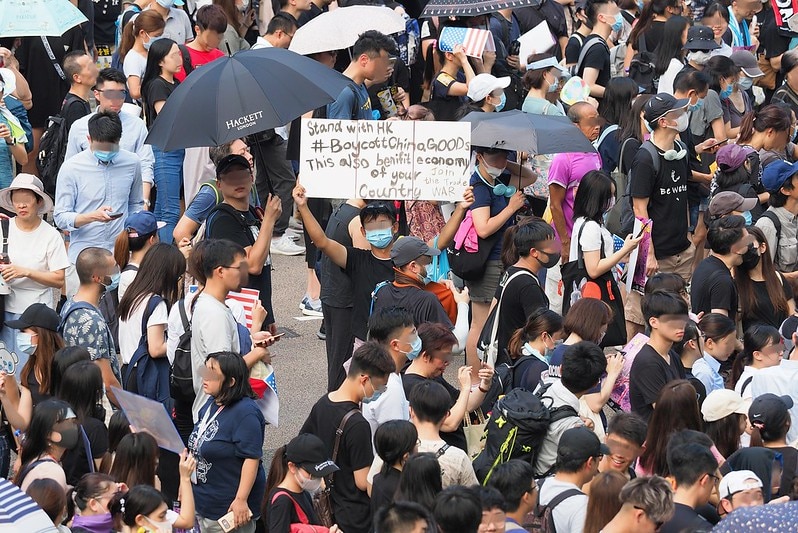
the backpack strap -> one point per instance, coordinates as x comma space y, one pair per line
561, 497
29, 468
181, 307
609, 129
649, 147
87, 449
186, 55
152, 303
441, 451
303, 518
130, 267
233, 212
374, 295
774, 218
583, 53
641, 43
621, 168
76, 306
494, 331
212, 186
745, 384
53, 60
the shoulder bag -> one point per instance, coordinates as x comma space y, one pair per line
322, 500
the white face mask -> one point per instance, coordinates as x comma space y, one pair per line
161, 527
699, 57
682, 122
310, 484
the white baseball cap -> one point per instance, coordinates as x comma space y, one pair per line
738, 481
721, 403
484, 84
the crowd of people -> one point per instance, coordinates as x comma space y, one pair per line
625, 345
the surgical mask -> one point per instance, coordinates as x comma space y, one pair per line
114, 282
682, 122
747, 217
493, 172
554, 87
699, 57
379, 238
528, 349
105, 156
696, 106
751, 258
745, 83
149, 43
553, 259
244, 5
415, 349
24, 343
163, 527
69, 438
373, 398
618, 24
426, 279
726, 93
610, 205
640, 6
309, 484
502, 101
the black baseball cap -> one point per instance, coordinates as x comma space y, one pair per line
309, 452
660, 105
407, 249
38, 315
231, 162
770, 411
580, 443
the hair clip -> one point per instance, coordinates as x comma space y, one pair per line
122, 505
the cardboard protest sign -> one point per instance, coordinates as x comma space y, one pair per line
389, 160
150, 416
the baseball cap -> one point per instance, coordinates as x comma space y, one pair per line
738, 481
732, 156
580, 443
170, 3
661, 104
309, 452
38, 315
777, 173
770, 411
483, 84
408, 249
142, 223
231, 162
721, 403
746, 61
700, 38
725, 202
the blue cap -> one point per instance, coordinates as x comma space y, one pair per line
777, 173
142, 223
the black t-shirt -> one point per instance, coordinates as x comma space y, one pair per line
685, 518
772, 39
76, 461
282, 511
399, 78
597, 57
336, 287
522, 296
654, 35
156, 90
75, 108
365, 271
424, 305
35, 391
351, 505
765, 312
667, 199
445, 105
789, 457
699, 387
650, 372
224, 225
383, 489
454, 438
527, 373
105, 14
573, 48
713, 288
310, 14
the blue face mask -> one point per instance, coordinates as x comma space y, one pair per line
640, 6
747, 217
618, 24
415, 349
696, 106
726, 93
114, 283
148, 44
105, 156
554, 87
24, 343
502, 101
379, 238
745, 83
374, 397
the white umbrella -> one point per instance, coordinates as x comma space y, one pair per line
340, 28
24, 18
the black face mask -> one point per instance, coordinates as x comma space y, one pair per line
553, 259
751, 258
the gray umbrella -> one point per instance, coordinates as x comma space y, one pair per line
519, 131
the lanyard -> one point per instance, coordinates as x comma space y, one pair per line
203, 425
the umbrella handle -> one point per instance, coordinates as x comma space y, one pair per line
262, 160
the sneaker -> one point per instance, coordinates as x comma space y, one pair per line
322, 333
310, 307
285, 246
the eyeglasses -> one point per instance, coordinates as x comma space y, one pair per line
113, 94
231, 266
716, 478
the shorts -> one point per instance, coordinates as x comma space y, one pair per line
483, 289
696, 210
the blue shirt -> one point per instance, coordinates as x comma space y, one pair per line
87, 328
484, 197
85, 185
352, 103
235, 434
202, 204
706, 370
134, 133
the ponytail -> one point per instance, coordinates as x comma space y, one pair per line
516, 343
277, 472
542, 320
122, 249
747, 128
510, 255
128, 38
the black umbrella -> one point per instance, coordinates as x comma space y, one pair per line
535, 134
247, 93
471, 8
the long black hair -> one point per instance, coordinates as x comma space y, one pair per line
37, 439
160, 272
158, 51
82, 388
617, 102
420, 481
593, 196
720, 67
671, 45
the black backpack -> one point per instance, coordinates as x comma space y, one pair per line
52, 147
516, 428
503, 381
642, 69
181, 380
108, 304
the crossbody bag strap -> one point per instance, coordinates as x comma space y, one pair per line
441, 451
87, 449
181, 307
303, 518
51, 55
494, 331
338, 434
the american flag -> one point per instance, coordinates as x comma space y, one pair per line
247, 298
472, 39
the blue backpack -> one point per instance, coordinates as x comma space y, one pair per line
152, 374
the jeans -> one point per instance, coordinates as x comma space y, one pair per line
271, 165
168, 180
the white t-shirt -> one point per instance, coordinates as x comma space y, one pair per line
456, 467
130, 330
570, 514
668, 77
134, 64
213, 329
592, 238
126, 278
391, 405
41, 249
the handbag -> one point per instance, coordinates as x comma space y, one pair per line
768, 81
322, 500
578, 284
475, 433
471, 266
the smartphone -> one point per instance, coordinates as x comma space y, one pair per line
115, 215
274, 337
227, 522
642, 229
711, 146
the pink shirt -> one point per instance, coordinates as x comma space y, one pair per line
567, 170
